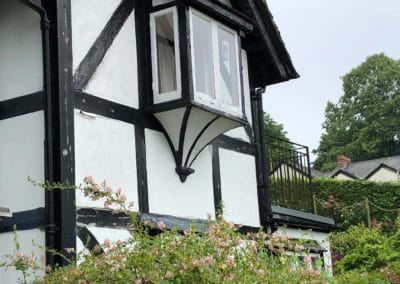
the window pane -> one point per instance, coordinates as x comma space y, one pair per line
203, 56
228, 85
166, 53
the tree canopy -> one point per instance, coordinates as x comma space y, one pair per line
273, 128
365, 123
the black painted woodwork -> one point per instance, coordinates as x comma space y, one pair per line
89, 240
99, 49
21, 105
24, 220
216, 170
141, 168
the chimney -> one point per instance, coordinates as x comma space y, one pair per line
342, 161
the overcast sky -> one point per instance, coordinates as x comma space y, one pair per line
326, 39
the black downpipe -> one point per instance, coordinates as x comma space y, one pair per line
51, 228
264, 190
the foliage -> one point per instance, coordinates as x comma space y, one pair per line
349, 196
361, 250
218, 254
365, 124
273, 128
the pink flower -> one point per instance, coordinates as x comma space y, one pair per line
123, 198
230, 261
161, 225
307, 260
89, 179
330, 198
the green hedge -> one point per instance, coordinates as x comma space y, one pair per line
350, 197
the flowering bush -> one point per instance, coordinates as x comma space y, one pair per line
218, 254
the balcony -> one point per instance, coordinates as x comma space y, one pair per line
290, 175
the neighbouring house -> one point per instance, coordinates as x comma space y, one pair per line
382, 169
162, 98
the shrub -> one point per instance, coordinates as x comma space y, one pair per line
350, 201
362, 250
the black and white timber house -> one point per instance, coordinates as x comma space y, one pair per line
161, 98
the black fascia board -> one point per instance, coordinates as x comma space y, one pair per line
268, 56
223, 13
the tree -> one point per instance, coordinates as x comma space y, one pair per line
273, 128
365, 123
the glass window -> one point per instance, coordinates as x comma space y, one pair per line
228, 83
166, 61
203, 56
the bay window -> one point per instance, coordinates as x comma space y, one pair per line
215, 63
196, 80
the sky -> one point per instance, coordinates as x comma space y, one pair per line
326, 39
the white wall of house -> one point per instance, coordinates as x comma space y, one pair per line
239, 188
384, 174
116, 78
105, 149
22, 156
25, 239
320, 237
20, 50
167, 194
341, 176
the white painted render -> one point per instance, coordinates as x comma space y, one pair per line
239, 188
384, 174
116, 78
341, 176
108, 234
22, 156
21, 67
167, 194
171, 121
25, 239
105, 149
320, 237
88, 18
238, 133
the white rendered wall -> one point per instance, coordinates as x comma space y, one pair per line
116, 78
238, 133
108, 234
21, 66
88, 19
384, 174
21, 156
239, 188
105, 149
341, 176
167, 194
320, 237
25, 239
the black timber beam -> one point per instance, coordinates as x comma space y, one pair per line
21, 105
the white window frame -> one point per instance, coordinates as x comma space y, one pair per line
176, 94
217, 102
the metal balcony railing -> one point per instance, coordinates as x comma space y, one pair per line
289, 174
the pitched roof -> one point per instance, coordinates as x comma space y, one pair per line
364, 169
